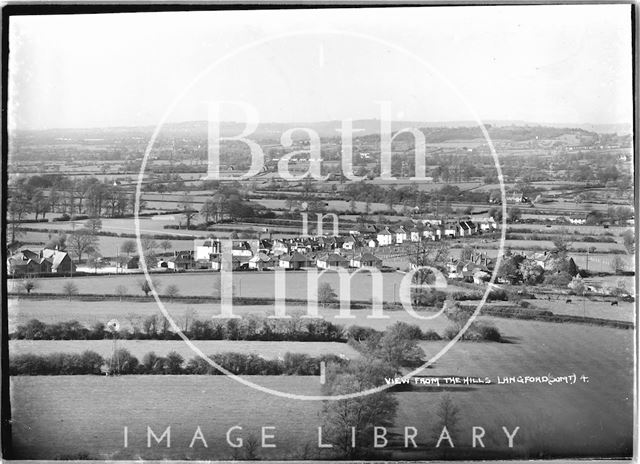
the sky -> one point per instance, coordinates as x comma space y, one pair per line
543, 63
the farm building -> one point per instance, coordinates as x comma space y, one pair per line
60, 261
27, 262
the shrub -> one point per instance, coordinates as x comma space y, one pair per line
477, 331
123, 362
299, 364
450, 332
154, 327
84, 363
498, 295
431, 335
488, 332
559, 279
406, 331
173, 363
357, 332
428, 298
97, 331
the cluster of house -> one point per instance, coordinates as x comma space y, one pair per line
26, 262
264, 254
355, 250
431, 229
477, 269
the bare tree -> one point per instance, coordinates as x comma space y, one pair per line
166, 245
29, 284
128, 247
81, 242
448, 418
189, 316
618, 264
146, 288
70, 289
326, 294
94, 225
187, 209
172, 291
95, 261
121, 291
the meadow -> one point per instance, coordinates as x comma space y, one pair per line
108, 246
246, 284
138, 348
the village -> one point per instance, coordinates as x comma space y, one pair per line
358, 249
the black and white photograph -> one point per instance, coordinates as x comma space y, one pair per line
319, 232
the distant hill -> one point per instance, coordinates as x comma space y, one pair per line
435, 131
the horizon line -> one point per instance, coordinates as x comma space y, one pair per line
445, 123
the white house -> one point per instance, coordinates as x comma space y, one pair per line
466, 228
416, 234
401, 234
487, 224
385, 237
450, 230
203, 249
350, 243
241, 249
578, 219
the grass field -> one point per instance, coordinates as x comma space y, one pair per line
21, 311
108, 246
570, 228
54, 416
117, 225
580, 306
139, 348
246, 284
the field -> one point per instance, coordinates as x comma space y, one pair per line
118, 226
108, 246
55, 416
139, 348
246, 284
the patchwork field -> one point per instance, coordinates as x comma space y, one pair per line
58, 416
